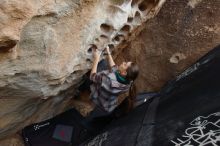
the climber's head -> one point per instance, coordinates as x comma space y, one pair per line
129, 70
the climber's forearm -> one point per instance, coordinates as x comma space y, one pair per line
95, 64
110, 60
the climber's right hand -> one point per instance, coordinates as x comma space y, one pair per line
107, 50
96, 53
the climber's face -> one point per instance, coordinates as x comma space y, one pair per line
123, 68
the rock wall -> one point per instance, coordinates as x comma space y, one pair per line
45, 46
181, 33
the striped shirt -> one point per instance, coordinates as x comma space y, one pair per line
106, 89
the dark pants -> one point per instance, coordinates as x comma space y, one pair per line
97, 120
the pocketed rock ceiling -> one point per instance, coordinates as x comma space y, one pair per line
46, 46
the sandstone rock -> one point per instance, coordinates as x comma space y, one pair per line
176, 57
15, 140
45, 46
17, 113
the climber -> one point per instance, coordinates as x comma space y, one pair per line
107, 85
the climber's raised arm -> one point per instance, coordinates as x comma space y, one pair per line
110, 59
93, 75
